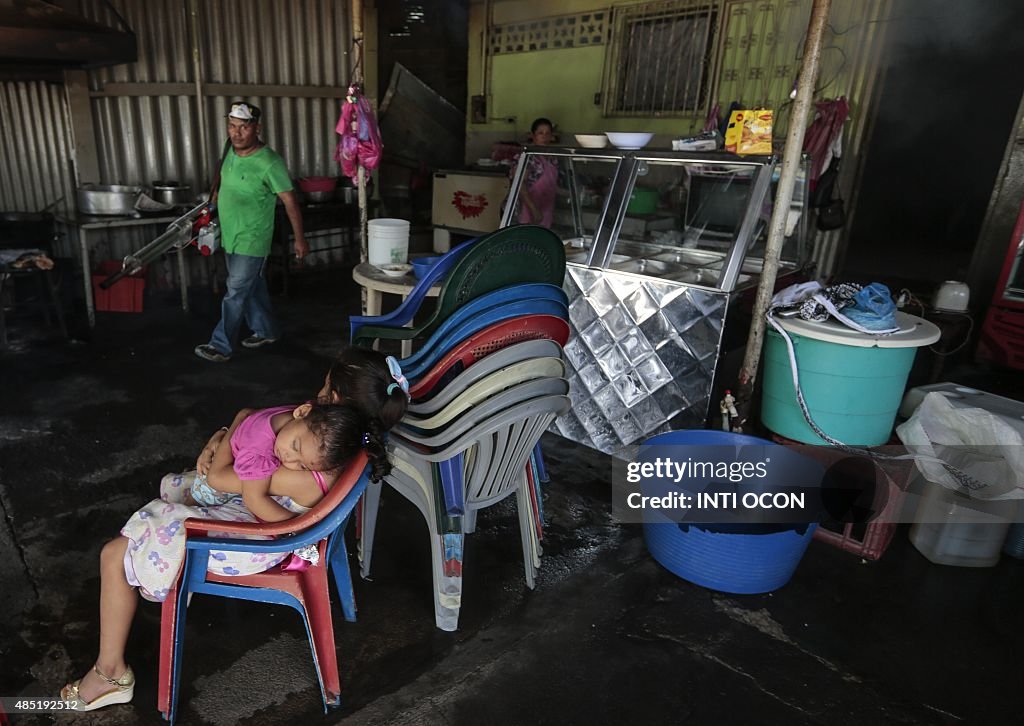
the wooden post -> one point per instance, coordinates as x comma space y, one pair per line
357, 79
783, 197
197, 71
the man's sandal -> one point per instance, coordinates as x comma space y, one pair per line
124, 690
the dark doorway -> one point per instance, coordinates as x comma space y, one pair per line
431, 39
948, 100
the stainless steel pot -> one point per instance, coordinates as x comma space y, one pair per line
319, 197
348, 192
171, 192
107, 198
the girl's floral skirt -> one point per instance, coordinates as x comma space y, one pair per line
156, 534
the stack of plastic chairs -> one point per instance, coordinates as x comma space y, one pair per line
470, 447
486, 384
511, 256
304, 590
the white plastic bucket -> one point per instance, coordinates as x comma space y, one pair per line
388, 241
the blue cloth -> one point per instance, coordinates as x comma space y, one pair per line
205, 495
247, 300
873, 308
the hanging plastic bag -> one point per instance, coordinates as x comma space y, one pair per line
360, 143
873, 308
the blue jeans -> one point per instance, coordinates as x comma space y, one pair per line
247, 299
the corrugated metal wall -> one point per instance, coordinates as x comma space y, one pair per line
35, 148
145, 132
253, 42
761, 56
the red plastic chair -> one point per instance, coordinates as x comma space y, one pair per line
305, 590
487, 341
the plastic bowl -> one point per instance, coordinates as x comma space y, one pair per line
312, 184
421, 266
395, 270
623, 140
592, 141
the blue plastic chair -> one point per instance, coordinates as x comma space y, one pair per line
437, 345
491, 301
305, 590
521, 254
411, 305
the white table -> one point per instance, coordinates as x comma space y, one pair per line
377, 283
86, 223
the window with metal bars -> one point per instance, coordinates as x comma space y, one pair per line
660, 58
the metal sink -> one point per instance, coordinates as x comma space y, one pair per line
579, 257
637, 250
654, 268
705, 276
693, 258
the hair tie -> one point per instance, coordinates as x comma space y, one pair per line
400, 380
366, 439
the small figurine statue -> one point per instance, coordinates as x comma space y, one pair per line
727, 407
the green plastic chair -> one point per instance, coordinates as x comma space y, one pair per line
511, 256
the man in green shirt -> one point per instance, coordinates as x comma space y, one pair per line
252, 178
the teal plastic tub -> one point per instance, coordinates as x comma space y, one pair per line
852, 382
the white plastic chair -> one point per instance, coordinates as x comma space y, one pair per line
495, 439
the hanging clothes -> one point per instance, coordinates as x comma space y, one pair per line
824, 136
360, 143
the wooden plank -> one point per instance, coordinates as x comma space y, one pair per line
83, 132
218, 89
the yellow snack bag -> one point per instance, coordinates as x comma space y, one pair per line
756, 137
749, 131
734, 130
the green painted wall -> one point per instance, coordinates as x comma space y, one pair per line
558, 84
761, 43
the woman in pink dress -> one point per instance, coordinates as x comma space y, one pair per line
537, 195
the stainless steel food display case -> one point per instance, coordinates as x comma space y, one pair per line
661, 247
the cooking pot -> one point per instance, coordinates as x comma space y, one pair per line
348, 192
171, 192
107, 198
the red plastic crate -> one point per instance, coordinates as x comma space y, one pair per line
124, 296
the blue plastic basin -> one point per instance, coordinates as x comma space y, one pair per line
759, 560
421, 265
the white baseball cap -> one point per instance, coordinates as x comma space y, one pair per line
244, 111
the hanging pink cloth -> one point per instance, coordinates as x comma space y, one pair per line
711, 122
360, 143
823, 133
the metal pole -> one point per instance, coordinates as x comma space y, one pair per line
783, 197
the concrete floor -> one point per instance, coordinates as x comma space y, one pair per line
608, 637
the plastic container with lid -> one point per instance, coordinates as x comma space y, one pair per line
852, 382
953, 529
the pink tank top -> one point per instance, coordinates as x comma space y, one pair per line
253, 447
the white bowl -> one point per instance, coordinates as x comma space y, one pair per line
592, 141
395, 270
623, 140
